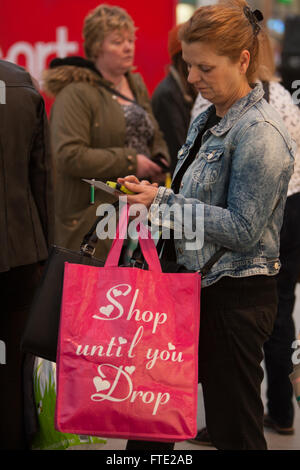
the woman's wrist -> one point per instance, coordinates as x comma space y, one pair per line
162, 195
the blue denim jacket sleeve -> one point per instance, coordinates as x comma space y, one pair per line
261, 167
236, 187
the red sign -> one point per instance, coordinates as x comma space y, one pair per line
31, 34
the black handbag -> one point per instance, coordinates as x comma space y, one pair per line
41, 331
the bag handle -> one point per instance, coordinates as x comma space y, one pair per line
145, 240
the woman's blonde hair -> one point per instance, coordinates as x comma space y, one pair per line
101, 21
228, 28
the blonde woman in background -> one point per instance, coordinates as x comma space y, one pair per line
96, 133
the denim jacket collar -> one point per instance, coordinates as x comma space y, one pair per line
234, 113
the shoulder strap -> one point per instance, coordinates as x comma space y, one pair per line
137, 257
117, 93
266, 88
207, 267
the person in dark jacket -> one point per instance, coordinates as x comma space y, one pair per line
26, 232
173, 99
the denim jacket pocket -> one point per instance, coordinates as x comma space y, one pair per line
209, 166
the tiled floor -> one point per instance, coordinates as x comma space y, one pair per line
274, 440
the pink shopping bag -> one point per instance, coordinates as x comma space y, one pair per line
127, 360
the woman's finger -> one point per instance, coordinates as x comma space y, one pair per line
129, 178
135, 187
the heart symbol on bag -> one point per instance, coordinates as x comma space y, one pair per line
171, 346
130, 369
106, 310
101, 384
117, 292
122, 340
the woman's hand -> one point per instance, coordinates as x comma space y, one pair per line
145, 191
146, 168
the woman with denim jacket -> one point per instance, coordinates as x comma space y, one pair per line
231, 180
277, 350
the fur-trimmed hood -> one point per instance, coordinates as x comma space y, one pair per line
62, 72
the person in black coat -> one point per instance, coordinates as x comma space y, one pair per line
173, 99
26, 233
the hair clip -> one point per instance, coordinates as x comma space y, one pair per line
254, 17
258, 15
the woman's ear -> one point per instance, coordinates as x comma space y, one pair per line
244, 61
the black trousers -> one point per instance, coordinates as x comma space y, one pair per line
278, 350
237, 317
17, 286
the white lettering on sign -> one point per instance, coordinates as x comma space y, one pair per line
115, 382
164, 355
36, 55
115, 309
114, 348
121, 388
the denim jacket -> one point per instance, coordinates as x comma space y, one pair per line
238, 184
